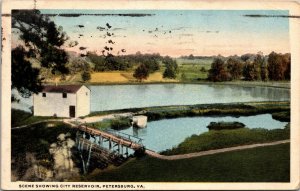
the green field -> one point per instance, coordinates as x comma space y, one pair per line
264, 164
197, 61
190, 70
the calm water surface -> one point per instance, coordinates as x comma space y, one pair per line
110, 97
131, 96
165, 134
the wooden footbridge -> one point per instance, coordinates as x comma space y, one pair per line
121, 139
90, 144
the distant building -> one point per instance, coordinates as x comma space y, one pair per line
62, 101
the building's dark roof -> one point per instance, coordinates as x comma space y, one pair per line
62, 88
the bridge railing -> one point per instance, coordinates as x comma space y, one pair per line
124, 136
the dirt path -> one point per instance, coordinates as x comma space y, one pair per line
210, 152
76, 121
103, 117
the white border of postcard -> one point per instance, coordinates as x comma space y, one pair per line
8, 5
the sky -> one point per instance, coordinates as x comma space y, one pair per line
177, 32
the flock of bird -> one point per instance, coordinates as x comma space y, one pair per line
108, 32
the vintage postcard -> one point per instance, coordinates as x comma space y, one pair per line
150, 95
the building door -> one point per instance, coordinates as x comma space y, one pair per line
72, 111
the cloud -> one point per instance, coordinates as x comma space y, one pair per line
186, 42
189, 49
118, 29
186, 34
280, 16
151, 43
180, 28
208, 31
97, 14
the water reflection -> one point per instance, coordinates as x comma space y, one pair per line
138, 132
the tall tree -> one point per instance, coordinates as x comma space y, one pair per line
86, 75
287, 62
249, 71
141, 72
171, 68
235, 68
41, 39
278, 66
260, 66
152, 64
218, 72
24, 77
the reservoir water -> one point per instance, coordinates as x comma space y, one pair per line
110, 97
167, 133
131, 96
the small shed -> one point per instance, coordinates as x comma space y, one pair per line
62, 101
139, 121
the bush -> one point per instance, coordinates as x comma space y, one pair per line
202, 69
218, 72
171, 68
141, 72
86, 76
282, 116
225, 125
140, 152
18, 116
120, 123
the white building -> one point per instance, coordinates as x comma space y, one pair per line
62, 101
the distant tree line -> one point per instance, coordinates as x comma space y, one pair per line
274, 66
123, 62
143, 64
152, 65
192, 57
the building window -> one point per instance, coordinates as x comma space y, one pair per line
64, 95
86, 93
44, 94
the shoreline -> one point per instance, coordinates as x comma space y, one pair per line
169, 108
272, 84
174, 111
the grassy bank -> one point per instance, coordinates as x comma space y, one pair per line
19, 118
282, 116
116, 124
217, 139
234, 109
264, 164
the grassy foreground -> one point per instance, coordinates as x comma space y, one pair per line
264, 164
